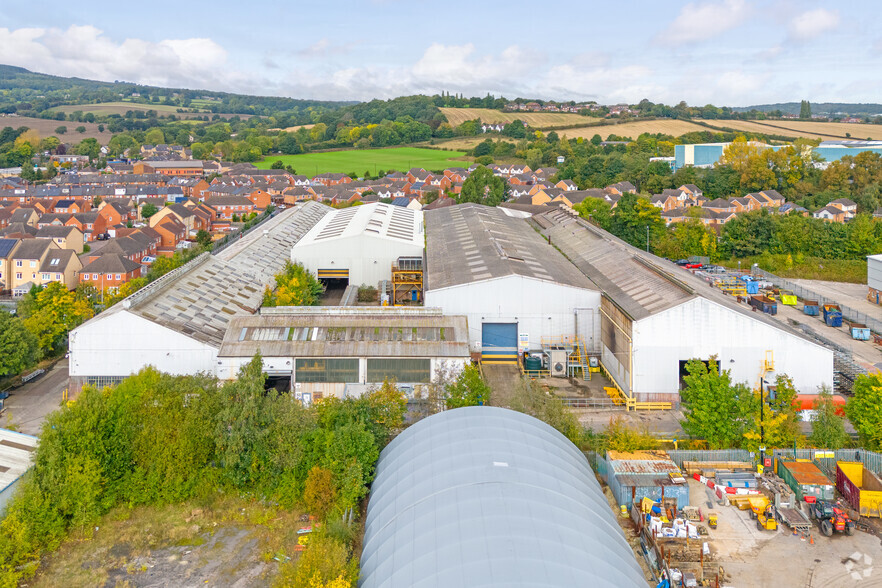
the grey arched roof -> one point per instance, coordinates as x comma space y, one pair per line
485, 496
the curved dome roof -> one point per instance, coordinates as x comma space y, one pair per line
485, 496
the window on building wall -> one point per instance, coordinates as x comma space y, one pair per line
33, 263
57, 276
46, 276
109, 276
18, 276
18, 263
117, 276
401, 370
326, 370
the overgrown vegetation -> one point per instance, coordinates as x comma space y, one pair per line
294, 286
864, 410
161, 439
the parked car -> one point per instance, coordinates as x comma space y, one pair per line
694, 266
681, 262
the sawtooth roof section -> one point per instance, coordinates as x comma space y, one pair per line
470, 242
201, 298
484, 496
378, 333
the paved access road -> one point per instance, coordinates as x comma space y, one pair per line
28, 406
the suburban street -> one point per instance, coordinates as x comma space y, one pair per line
28, 406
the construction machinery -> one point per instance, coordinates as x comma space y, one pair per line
712, 519
831, 517
765, 520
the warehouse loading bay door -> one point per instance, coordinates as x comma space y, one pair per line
499, 343
334, 279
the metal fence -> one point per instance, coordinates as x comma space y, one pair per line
851, 314
580, 402
678, 456
871, 460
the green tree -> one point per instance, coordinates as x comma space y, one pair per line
203, 237
320, 493
828, 427
714, 408
154, 137
805, 110
19, 348
61, 130
483, 187
529, 398
468, 389
864, 410
81, 129
596, 210
294, 286
278, 164
55, 311
635, 220
89, 147
148, 210
780, 419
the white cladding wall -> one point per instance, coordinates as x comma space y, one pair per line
121, 343
700, 328
874, 272
541, 309
368, 259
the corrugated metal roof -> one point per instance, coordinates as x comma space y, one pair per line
643, 462
382, 333
484, 496
469, 242
16, 452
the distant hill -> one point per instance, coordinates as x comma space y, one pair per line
29, 93
818, 108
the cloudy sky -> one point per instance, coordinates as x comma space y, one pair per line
733, 52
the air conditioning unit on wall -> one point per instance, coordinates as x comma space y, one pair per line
557, 364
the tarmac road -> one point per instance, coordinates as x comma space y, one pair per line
28, 406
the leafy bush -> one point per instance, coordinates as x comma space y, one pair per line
367, 293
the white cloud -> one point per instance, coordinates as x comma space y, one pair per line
809, 25
84, 51
699, 22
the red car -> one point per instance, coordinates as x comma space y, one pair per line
694, 265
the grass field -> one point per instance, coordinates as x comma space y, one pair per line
47, 127
539, 120
372, 160
121, 108
810, 130
293, 129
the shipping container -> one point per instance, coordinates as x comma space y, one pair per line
810, 307
860, 332
861, 488
765, 304
645, 474
806, 480
807, 402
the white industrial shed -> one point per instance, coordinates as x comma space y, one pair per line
484, 496
874, 278
515, 288
178, 322
655, 317
360, 244
343, 351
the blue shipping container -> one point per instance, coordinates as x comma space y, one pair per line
860, 332
810, 307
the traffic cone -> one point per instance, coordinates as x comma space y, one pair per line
811, 539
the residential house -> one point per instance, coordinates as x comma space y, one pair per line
171, 232
331, 179
744, 204
622, 188
791, 208
169, 168
60, 265
27, 261
68, 206
692, 191
27, 216
831, 214
184, 215
567, 185
719, 205
7, 249
774, 198
849, 207
229, 205
91, 224
66, 237
109, 271
573, 197
116, 213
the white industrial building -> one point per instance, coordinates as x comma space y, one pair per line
874, 278
178, 322
343, 351
655, 317
515, 288
360, 244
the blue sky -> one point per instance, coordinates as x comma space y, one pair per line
726, 52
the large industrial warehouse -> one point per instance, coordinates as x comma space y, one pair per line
515, 288
178, 322
655, 317
322, 351
484, 496
361, 244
